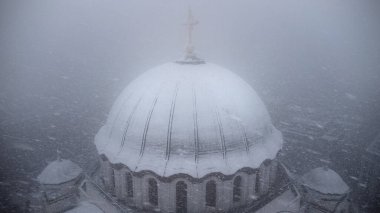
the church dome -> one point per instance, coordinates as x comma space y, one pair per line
193, 119
325, 180
59, 171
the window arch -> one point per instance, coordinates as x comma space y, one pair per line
211, 193
113, 181
237, 189
129, 184
153, 191
181, 197
257, 183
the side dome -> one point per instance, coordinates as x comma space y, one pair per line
191, 119
325, 180
59, 171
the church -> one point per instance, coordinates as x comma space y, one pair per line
191, 136
185, 136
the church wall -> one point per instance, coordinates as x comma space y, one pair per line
224, 194
192, 206
251, 187
197, 200
123, 185
244, 187
273, 172
163, 193
167, 196
138, 194
108, 173
119, 177
103, 168
264, 178
144, 192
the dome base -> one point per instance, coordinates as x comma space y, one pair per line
191, 60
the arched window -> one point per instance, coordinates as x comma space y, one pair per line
211, 193
153, 192
112, 181
129, 183
237, 189
257, 183
181, 197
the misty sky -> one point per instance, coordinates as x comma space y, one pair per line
60, 57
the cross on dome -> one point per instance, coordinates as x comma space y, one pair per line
190, 57
191, 22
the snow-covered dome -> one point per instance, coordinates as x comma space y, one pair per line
188, 118
59, 171
325, 180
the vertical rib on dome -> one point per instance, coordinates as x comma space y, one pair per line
128, 122
221, 134
245, 138
146, 128
117, 115
195, 118
170, 124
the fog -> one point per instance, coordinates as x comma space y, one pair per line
63, 63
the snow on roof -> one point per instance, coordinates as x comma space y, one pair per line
59, 171
325, 180
85, 207
192, 119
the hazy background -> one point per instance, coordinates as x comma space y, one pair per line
63, 62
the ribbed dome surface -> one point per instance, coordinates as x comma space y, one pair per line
192, 119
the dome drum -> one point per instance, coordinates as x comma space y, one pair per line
253, 187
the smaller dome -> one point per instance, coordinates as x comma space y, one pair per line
59, 171
325, 180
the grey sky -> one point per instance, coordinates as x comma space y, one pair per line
75, 51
